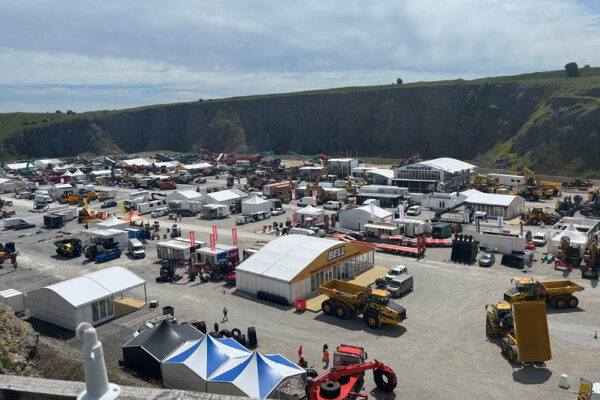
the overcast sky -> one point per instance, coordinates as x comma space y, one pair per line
84, 55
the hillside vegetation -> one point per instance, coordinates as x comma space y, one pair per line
544, 120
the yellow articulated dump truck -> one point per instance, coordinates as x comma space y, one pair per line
558, 293
527, 340
375, 305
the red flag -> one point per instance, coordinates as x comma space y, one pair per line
216, 237
294, 195
192, 239
314, 197
234, 235
212, 243
330, 221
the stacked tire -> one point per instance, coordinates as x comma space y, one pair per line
272, 298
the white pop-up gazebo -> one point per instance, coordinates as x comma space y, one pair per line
254, 204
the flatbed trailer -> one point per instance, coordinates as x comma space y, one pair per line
418, 251
429, 242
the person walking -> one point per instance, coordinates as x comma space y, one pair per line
300, 352
225, 314
326, 358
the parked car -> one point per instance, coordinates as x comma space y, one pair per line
333, 205
260, 215
25, 195
109, 204
487, 259
278, 211
243, 219
167, 186
23, 225
414, 210
539, 239
400, 285
396, 271
160, 212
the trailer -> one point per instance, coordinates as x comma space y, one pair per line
148, 206
112, 237
177, 249
559, 294
108, 255
504, 243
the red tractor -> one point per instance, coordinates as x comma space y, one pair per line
346, 378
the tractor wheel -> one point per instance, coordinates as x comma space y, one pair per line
513, 354
505, 344
241, 339
344, 379
311, 373
341, 311
327, 307
573, 302
329, 390
489, 331
252, 340
225, 333
372, 320
534, 221
385, 380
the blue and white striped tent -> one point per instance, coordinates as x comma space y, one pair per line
190, 365
259, 376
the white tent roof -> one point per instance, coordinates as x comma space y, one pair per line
225, 195
255, 375
285, 257
77, 173
379, 212
206, 355
386, 173
197, 166
255, 199
96, 285
310, 210
136, 161
112, 222
21, 165
492, 199
445, 164
100, 172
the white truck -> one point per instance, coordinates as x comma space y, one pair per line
136, 248
148, 206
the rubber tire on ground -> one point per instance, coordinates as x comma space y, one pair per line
311, 373
513, 354
235, 332
215, 335
329, 390
327, 307
241, 339
385, 380
342, 311
372, 320
216, 327
572, 302
252, 340
202, 327
225, 333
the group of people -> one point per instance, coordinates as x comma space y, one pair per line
302, 362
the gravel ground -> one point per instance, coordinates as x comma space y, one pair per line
442, 340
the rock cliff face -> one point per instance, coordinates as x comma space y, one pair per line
533, 123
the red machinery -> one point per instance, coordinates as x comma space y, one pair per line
168, 270
347, 381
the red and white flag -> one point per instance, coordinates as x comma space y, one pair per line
401, 212
330, 221
234, 235
212, 243
294, 195
314, 197
372, 210
192, 239
215, 236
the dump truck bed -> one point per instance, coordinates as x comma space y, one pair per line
560, 287
344, 288
531, 331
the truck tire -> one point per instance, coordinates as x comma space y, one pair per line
252, 340
216, 327
513, 354
559, 303
573, 302
489, 331
505, 344
202, 326
311, 373
241, 339
235, 332
329, 390
225, 333
342, 311
372, 320
385, 380
327, 307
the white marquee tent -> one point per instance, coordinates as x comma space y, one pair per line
310, 213
255, 204
112, 222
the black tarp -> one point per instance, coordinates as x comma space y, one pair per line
144, 352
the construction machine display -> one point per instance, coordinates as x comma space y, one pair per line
69, 247
590, 270
559, 294
8, 252
538, 215
485, 184
523, 327
374, 305
547, 189
568, 206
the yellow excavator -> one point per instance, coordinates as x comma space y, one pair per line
547, 189
485, 184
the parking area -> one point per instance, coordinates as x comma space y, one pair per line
440, 351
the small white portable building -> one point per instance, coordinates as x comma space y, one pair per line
88, 298
255, 203
112, 222
356, 218
310, 214
14, 299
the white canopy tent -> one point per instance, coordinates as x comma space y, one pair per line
575, 237
255, 204
310, 213
112, 222
190, 366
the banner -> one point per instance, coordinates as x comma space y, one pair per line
122, 207
372, 206
314, 195
234, 235
192, 239
401, 212
467, 218
212, 243
215, 236
85, 202
62, 180
500, 221
294, 195
330, 221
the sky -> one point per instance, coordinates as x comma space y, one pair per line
83, 55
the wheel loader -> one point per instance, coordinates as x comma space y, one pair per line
69, 247
539, 215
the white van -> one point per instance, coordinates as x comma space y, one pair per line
136, 248
160, 212
305, 201
539, 239
414, 210
333, 205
